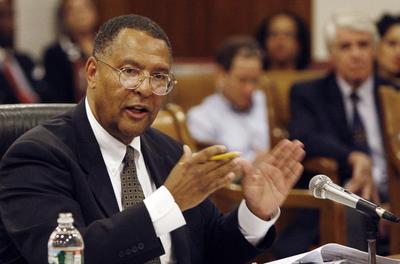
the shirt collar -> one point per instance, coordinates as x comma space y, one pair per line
362, 91
229, 104
113, 150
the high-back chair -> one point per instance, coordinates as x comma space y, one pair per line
390, 101
16, 119
172, 121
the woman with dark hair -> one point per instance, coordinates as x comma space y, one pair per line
388, 52
65, 60
285, 40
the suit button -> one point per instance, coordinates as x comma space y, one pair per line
121, 254
141, 246
134, 249
128, 251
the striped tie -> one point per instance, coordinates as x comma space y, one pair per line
358, 128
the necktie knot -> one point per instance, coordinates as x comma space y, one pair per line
130, 154
355, 98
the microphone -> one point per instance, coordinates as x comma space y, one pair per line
322, 187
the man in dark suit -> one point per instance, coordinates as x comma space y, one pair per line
339, 116
17, 82
77, 163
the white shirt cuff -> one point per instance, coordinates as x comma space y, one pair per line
253, 228
164, 212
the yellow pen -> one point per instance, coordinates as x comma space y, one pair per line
228, 155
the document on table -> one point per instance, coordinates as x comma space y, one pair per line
334, 254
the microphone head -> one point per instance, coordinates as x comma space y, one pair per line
316, 185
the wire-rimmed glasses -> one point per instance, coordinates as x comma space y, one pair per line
131, 78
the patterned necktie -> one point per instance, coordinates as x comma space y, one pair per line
131, 190
357, 128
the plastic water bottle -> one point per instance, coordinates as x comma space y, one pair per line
65, 244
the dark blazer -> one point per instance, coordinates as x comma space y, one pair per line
58, 167
59, 75
7, 95
319, 120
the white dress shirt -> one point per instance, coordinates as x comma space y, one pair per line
215, 121
164, 212
369, 115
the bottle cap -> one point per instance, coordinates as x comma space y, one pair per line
65, 218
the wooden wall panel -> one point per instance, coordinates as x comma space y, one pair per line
197, 27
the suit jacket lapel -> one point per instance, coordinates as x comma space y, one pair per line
154, 162
336, 107
90, 158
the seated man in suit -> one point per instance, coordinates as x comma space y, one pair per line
17, 83
338, 116
236, 115
88, 160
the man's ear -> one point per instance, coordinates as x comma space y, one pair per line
91, 69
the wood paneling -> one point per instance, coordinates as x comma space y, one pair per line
197, 27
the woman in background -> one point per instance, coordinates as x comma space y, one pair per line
388, 52
285, 41
65, 60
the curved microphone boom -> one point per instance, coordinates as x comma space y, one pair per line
322, 187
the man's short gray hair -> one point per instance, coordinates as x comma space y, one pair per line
351, 20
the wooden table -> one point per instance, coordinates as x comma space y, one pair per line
397, 256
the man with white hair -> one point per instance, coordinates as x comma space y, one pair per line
339, 116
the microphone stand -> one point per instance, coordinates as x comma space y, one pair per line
372, 234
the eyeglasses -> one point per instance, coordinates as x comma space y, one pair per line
131, 78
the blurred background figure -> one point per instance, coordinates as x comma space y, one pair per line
17, 84
236, 115
65, 60
388, 52
338, 116
285, 41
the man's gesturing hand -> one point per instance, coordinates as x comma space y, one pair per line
268, 181
195, 177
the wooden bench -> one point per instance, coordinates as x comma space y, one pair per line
390, 101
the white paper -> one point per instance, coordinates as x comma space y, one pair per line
334, 254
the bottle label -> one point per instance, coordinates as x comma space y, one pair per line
65, 256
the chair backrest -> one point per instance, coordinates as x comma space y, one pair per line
195, 82
390, 101
277, 85
16, 119
172, 121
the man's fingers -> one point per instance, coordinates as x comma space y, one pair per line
287, 150
245, 167
366, 194
205, 154
221, 182
187, 152
221, 171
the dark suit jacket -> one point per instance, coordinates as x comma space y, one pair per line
58, 167
59, 75
7, 95
318, 119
